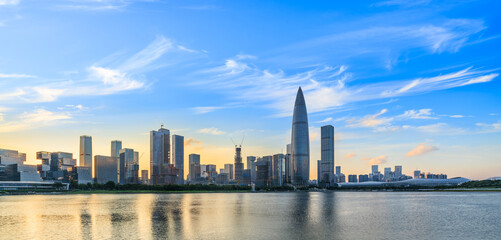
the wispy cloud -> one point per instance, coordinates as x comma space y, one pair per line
421, 149
371, 120
350, 155
96, 5
325, 88
207, 109
376, 161
418, 114
9, 2
99, 79
327, 120
16, 75
490, 127
212, 131
29, 120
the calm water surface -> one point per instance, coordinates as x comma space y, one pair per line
332, 215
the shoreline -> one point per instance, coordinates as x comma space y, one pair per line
17, 193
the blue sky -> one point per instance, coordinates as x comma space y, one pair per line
413, 84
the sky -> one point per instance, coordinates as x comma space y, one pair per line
411, 83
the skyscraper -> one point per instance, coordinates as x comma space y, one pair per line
239, 165
85, 151
194, 167
116, 145
105, 169
228, 168
125, 166
251, 165
300, 142
178, 155
398, 172
159, 154
278, 169
327, 154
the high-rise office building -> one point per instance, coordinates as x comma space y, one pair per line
145, 177
417, 174
194, 170
85, 151
319, 171
300, 142
262, 175
338, 170
388, 174
239, 165
178, 155
250, 160
352, 178
251, 165
327, 154
228, 168
105, 169
278, 169
374, 169
363, 178
398, 172
288, 167
126, 166
116, 146
159, 155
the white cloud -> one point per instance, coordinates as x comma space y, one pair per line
371, 120
457, 116
16, 75
208, 109
417, 114
329, 119
325, 88
350, 155
377, 160
9, 2
490, 127
100, 78
421, 149
212, 130
29, 120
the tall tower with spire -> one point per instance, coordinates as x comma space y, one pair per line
300, 142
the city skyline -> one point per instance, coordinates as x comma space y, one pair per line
427, 98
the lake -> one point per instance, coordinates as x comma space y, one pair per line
301, 215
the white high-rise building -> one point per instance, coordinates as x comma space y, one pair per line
85, 151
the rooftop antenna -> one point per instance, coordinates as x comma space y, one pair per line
162, 125
233, 141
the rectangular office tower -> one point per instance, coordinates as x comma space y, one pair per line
105, 169
278, 171
159, 155
194, 167
228, 168
85, 151
178, 156
128, 168
327, 155
116, 146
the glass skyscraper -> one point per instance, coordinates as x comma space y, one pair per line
159, 154
116, 145
105, 169
327, 155
178, 155
85, 151
300, 142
